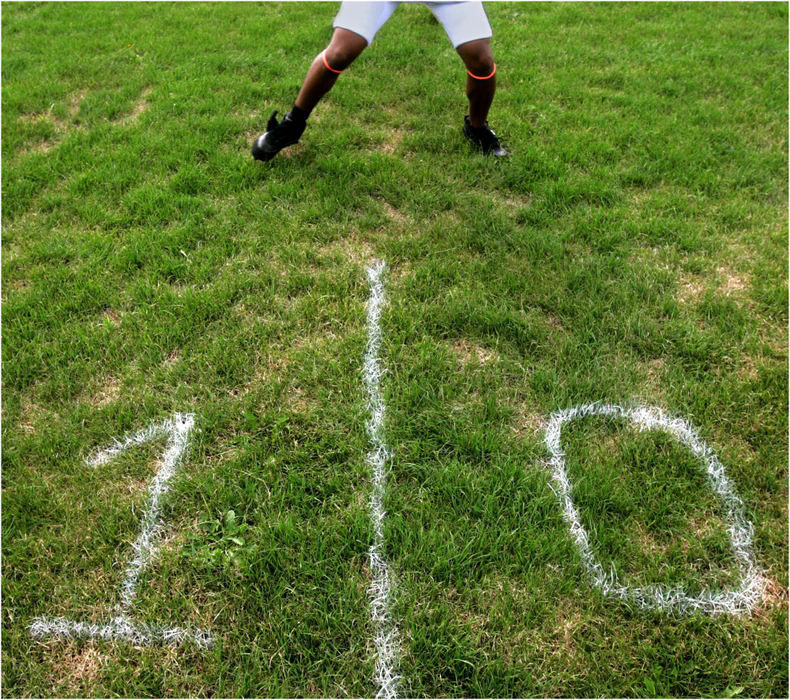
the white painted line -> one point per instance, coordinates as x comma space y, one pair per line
666, 598
120, 629
380, 590
118, 447
178, 430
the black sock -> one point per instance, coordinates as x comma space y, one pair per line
298, 114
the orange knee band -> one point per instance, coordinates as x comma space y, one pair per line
482, 77
326, 63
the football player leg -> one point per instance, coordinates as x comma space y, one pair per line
480, 89
355, 26
468, 28
321, 77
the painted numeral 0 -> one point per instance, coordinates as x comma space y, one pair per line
123, 627
665, 598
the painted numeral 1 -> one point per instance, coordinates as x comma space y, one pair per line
123, 627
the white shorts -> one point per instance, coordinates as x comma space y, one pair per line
463, 21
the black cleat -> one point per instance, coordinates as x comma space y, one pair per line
277, 136
483, 138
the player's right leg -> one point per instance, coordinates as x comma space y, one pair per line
355, 26
327, 67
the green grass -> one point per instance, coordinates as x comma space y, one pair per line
633, 250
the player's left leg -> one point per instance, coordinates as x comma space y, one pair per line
480, 89
466, 23
480, 78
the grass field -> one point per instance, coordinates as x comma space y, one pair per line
632, 251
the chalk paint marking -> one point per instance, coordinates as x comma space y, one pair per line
665, 598
123, 628
119, 629
380, 590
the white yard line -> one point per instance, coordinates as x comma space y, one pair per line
666, 598
380, 590
178, 429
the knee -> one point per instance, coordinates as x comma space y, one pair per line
341, 56
479, 58
481, 65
